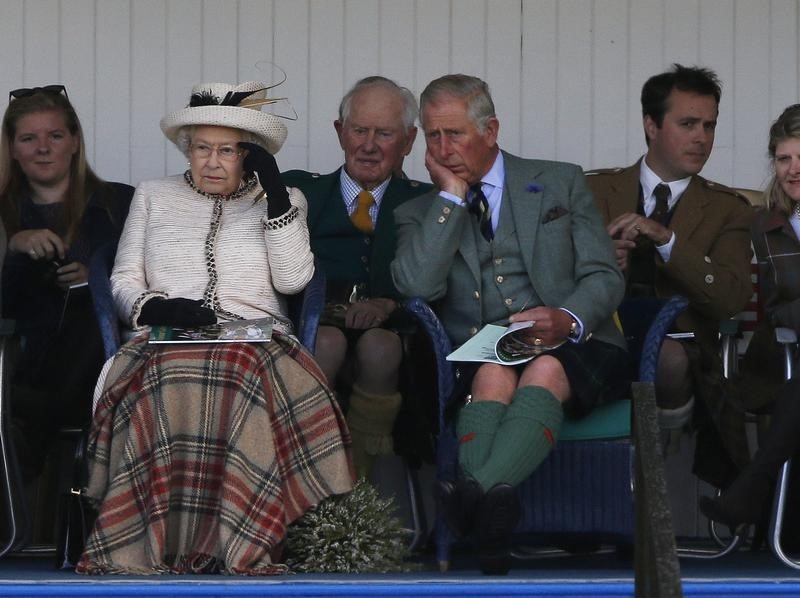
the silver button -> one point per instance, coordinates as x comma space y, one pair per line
707, 259
473, 331
476, 295
441, 219
499, 279
709, 278
509, 301
363, 259
445, 210
498, 260
367, 240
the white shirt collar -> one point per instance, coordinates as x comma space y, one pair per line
649, 180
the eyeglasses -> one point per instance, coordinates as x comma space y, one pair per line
24, 92
225, 153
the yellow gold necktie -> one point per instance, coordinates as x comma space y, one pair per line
361, 218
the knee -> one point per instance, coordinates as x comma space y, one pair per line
673, 363
331, 342
379, 350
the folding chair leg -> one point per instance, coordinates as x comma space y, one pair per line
18, 522
416, 506
776, 522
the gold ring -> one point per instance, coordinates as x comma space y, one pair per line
537, 341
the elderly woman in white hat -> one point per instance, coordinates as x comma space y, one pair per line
201, 455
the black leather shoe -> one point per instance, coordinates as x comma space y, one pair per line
497, 517
458, 502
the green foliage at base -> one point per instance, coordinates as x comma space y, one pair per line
355, 532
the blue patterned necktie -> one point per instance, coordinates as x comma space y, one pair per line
479, 206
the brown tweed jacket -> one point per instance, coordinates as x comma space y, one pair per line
709, 265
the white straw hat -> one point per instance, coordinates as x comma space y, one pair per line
226, 105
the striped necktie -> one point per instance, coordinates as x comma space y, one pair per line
479, 206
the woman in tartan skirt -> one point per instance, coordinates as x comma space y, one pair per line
201, 455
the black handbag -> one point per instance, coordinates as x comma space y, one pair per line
75, 515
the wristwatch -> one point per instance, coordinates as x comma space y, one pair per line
573, 330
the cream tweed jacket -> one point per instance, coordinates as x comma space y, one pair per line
168, 249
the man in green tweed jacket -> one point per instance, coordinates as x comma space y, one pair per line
506, 238
352, 231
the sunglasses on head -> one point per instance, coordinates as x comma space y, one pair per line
24, 92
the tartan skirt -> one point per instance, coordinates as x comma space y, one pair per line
200, 456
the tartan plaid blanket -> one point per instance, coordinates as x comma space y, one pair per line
200, 456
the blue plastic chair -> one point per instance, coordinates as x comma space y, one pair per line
585, 486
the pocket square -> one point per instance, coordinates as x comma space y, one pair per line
554, 213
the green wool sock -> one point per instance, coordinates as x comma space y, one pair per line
524, 437
475, 429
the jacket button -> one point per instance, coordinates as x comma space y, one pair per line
367, 240
499, 279
476, 294
441, 219
445, 210
498, 260
707, 259
508, 301
473, 331
709, 278
363, 259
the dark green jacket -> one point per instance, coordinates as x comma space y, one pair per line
347, 255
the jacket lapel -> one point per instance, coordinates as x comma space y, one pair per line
689, 211
526, 206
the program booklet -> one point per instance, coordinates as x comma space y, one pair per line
236, 331
505, 345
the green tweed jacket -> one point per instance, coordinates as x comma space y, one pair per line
568, 254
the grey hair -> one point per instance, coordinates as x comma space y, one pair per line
410, 109
183, 138
480, 107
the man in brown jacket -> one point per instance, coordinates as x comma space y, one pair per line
674, 233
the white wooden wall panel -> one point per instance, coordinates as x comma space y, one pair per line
646, 57
332, 36
114, 102
716, 48
77, 61
183, 70
42, 37
503, 61
539, 102
148, 42
608, 95
573, 81
12, 73
290, 27
566, 74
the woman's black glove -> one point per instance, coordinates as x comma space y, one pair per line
178, 312
263, 163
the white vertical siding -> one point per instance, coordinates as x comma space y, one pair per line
566, 74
